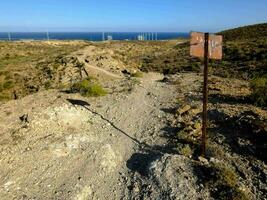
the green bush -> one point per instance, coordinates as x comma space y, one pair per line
195, 66
226, 182
47, 85
89, 88
4, 97
259, 91
8, 85
138, 74
186, 151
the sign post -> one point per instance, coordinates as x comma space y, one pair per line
207, 46
205, 94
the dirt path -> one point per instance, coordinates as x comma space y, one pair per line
122, 146
63, 146
83, 55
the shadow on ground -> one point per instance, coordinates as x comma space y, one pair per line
141, 161
245, 134
228, 99
86, 105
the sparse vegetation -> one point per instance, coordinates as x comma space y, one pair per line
47, 85
135, 81
25, 65
186, 151
137, 75
223, 181
170, 59
226, 182
7, 85
89, 88
259, 91
247, 32
4, 97
213, 150
245, 55
242, 59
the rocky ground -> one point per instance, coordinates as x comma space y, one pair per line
141, 141
62, 146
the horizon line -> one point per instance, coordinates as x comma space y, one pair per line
95, 31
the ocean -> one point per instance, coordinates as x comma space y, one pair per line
91, 36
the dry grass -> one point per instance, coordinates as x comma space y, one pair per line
20, 61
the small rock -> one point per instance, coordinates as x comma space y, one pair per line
28, 149
136, 189
195, 111
203, 160
180, 119
214, 160
183, 109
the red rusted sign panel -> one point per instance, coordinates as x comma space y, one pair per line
197, 45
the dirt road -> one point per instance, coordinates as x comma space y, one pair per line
62, 146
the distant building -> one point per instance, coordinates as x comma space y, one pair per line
141, 37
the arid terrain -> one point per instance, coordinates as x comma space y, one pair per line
122, 120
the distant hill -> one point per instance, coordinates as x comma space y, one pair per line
245, 52
246, 32
244, 55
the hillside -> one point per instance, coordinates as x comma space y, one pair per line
27, 67
47, 64
245, 52
244, 59
247, 32
79, 120
244, 55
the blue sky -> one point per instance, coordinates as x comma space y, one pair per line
129, 15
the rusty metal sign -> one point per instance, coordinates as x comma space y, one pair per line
197, 45
207, 46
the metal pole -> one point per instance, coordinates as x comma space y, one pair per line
9, 36
47, 35
205, 94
